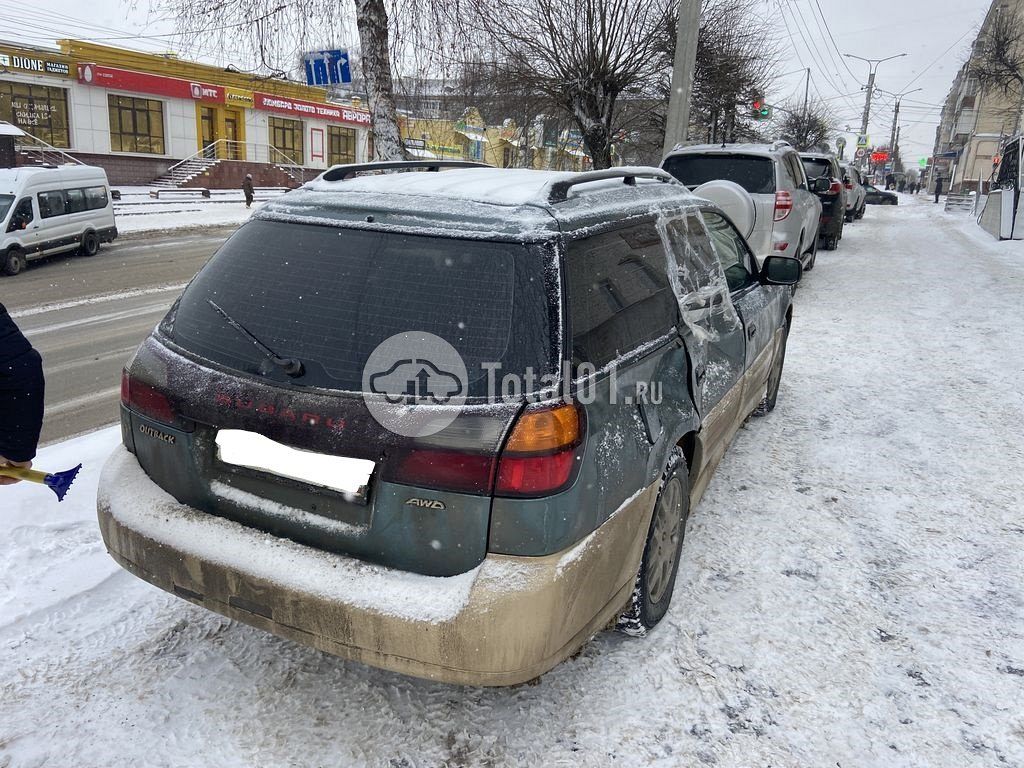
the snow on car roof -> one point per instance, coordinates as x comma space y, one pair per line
489, 203
496, 186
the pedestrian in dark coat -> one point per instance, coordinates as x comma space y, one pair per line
248, 190
938, 187
21, 397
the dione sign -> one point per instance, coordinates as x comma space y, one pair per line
879, 157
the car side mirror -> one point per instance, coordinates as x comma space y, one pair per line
821, 184
781, 270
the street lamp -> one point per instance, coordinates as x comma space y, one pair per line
895, 119
872, 67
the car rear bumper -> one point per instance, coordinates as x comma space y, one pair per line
505, 622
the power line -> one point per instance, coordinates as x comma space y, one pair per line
841, 59
937, 59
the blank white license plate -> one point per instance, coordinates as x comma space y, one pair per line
254, 451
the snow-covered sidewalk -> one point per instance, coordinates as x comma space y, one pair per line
851, 592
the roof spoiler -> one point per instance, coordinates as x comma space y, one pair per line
342, 172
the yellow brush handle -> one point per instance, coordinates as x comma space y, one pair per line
21, 473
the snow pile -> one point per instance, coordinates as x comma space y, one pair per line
851, 590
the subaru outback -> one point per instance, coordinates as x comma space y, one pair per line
558, 363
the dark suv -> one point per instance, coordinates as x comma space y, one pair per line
820, 165
445, 423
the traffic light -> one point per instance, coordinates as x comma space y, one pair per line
760, 110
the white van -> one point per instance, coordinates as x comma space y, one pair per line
44, 211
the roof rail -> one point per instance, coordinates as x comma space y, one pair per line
342, 172
780, 143
558, 191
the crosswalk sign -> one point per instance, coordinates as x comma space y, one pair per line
862, 139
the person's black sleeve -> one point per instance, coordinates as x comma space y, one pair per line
21, 392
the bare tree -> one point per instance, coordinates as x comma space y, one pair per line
270, 35
998, 59
806, 129
580, 56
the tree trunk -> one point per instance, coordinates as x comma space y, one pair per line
372, 23
598, 145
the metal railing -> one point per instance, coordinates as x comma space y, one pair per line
42, 153
226, 149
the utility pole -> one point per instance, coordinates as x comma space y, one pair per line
807, 91
872, 68
677, 121
892, 136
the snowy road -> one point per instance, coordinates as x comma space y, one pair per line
851, 594
86, 316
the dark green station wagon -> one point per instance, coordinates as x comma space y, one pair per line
445, 419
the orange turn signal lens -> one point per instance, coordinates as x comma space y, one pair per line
546, 430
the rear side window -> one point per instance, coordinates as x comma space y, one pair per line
51, 204
619, 293
329, 296
95, 198
754, 174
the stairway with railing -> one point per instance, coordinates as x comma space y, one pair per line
217, 152
33, 151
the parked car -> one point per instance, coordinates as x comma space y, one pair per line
787, 209
855, 192
820, 165
875, 196
489, 549
45, 211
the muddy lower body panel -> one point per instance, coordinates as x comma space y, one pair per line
505, 622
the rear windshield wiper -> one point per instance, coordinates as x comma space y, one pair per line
291, 365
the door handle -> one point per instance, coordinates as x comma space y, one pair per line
751, 330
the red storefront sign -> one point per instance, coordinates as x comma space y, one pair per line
142, 82
297, 108
879, 157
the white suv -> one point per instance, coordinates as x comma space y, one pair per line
786, 209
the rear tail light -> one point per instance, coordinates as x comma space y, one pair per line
783, 204
444, 470
539, 458
540, 455
146, 400
849, 185
835, 188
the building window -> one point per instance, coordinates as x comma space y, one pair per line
286, 137
37, 109
342, 145
136, 125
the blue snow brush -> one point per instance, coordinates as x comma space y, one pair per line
58, 482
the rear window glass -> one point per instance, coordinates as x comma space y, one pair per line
619, 293
815, 168
329, 296
754, 174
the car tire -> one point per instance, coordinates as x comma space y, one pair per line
13, 262
860, 213
90, 244
767, 405
814, 255
831, 242
656, 579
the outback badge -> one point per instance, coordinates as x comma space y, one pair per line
426, 503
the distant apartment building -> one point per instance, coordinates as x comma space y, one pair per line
974, 120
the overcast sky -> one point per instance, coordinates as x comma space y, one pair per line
934, 35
